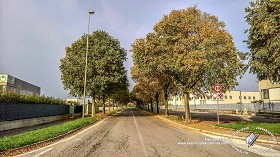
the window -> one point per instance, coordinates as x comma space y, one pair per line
244, 97
254, 98
249, 97
230, 97
225, 97
265, 93
239, 97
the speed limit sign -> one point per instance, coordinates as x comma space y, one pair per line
218, 88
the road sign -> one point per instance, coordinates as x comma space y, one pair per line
220, 95
214, 95
218, 88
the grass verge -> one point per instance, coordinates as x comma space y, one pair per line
272, 127
173, 118
31, 137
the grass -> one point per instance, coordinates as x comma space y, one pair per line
31, 137
272, 127
173, 118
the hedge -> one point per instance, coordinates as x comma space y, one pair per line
13, 97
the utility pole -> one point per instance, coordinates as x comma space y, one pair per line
85, 79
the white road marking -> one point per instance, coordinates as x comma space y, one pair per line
142, 143
255, 149
69, 138
43, 152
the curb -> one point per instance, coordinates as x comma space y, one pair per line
204, 131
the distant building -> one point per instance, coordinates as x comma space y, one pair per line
10, 83
269, 92
234, 96
79, 101
230, 97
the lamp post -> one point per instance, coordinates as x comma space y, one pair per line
85, 79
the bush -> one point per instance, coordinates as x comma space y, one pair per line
13, 97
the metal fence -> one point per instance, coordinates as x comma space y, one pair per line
232, 107
10, 112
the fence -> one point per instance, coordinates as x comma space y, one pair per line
232, 107
10, 112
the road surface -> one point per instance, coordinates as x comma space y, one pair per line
131, 133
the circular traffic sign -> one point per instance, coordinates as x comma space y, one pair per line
220, 95
218, 88
214, 95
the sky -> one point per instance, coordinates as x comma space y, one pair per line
35, 33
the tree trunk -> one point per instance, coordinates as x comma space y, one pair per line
166, 103
109, 104
157, 95
187, 107
152, 108
103, 101
93, 106
114, 106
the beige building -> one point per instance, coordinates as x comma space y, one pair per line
269, 92
10, 83
233, 97
230, 97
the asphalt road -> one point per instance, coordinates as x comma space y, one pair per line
132, 133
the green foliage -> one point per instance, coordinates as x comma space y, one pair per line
257, 101
197, 50
121, 96
106, 71
10, 142
190, 49
13, 97
272, 127
263, 16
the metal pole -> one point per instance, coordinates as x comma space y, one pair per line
218, 116
194, 104
175, 101
241, 105
85, 79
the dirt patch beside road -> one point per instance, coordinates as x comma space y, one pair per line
208, 126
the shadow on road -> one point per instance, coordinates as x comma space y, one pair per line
129, 112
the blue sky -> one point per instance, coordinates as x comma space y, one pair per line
34, 33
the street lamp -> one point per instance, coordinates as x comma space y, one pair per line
85, 79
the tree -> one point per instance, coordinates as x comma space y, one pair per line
263, 16
105, 66
195, 50
145, 92
121, 97
148, 65
135, 99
